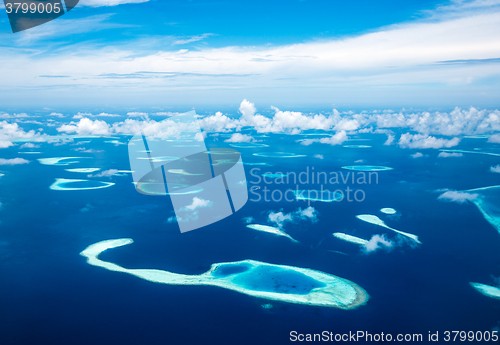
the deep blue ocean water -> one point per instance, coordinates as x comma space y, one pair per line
50, 295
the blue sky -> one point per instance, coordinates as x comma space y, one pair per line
110, 55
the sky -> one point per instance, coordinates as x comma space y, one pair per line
312, 55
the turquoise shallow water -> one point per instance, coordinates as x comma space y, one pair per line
273, 279
230, 269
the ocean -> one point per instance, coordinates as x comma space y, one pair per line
49, 294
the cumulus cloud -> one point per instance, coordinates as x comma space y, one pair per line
336, 139
11, 131
59, 142
495, 138
198, 203
424, 141
14, 116
417, 155
29, 146
162, 129
319, 156
83, 149
449, 154
86, 126
347, 125
427, 125
457, 196
13, 161
495, 169
190, 212
219, 123
280, 218
56, 114
390, 139
377, 242
248, 220
240, 138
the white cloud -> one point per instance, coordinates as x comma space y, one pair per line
83, 149
495, 169
423, 141
449, 154
13, 161
240, 138
417, 155
86, 127
137, 114
377, 242
198, 203
80, 115
12, 131
336, 139
279, 218
29, 146
390, 139
248, 220
319, 156
105, 173
457, 122
495, 138
5, 143
457, 196
60, 142
14, 116
218, 123
191, 39
347, 125
418, 52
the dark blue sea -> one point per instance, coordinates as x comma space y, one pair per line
49, 294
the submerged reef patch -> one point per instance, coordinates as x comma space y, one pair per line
270, 230
487, 290
248, 145
279, 155
70, 184
388, 210
59, 160
254, 278
377, 221
366, 168
350, 238
83, 170
488, 203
